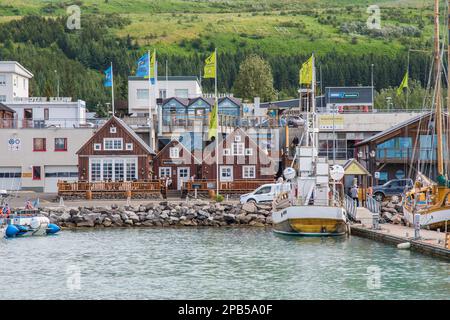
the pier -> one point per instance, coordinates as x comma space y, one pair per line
431, 242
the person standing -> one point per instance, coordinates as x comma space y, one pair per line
354, 194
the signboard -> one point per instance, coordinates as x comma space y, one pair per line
14, 144
327, 121
344, 95
27, 174
377, 175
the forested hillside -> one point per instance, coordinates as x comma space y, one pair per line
284, 33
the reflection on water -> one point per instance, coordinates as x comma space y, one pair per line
210, 263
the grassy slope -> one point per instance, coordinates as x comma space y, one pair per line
232, 23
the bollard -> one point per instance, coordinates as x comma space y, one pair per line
61, 202
375, 221
128, 201
187, 198
195, 193
417, 226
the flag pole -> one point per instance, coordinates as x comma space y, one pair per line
112, 90
149, 100
217, 122
407, 90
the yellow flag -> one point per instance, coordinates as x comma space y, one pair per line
404, 84
306, 72
153, 67
212, 132
210, 66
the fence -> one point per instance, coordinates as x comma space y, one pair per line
231, 186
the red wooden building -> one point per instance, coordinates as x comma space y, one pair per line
115, 153
176, 162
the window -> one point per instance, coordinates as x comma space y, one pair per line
119, 169
2, 80
39, 144
165, 172
131, 169
129, 147
96, 170
112, 144
237, 139
174, 153
248, 152
15, 81
97, 146
2, 98
163, 93
248, 172
60, 144
46, 114
112, 130
264, 190
226, 152
238, 149
182, 93
226, 173
36, 173
142, 94
107, 169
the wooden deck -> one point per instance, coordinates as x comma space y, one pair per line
124, 188
226, 187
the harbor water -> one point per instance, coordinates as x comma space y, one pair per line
213, 263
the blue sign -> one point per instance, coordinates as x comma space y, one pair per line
343, 95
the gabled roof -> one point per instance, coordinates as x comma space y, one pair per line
353, 167
182, 145
6, 108
187, 102
130, 131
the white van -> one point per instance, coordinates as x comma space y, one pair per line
265, 193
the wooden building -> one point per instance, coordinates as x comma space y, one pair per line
176, 162
240, 158
404, 150
115, 153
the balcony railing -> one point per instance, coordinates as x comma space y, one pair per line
390, 154
51, 123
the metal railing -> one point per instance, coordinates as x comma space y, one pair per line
372, 205
350, 207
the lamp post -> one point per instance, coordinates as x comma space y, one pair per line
371, 67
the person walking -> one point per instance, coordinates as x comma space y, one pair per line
354, 194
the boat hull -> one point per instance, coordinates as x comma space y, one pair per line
310, 221
433, 219
29, 226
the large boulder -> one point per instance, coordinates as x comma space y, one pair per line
249, 207
229, 218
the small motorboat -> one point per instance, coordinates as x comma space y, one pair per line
27, 223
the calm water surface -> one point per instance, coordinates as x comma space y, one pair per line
213, 264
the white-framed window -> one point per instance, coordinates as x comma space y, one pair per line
226, 173
96, 170
15, 81
2, 80
174, 153
142, 94
226, 152
112, 144
248, 172
2, 98
114, 169
112, 130
165, 172
237, 149
129, 146
248, 151
182, 93
163, 93
237, 139
97, 146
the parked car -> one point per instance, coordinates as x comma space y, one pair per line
296, 121
391, 188
265, 193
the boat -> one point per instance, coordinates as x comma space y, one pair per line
428, 202
26, 223
315, 204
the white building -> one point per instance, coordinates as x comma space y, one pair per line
37, 112
35, 159
13, 81
140, 89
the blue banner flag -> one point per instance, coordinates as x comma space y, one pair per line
143, 67
107, 82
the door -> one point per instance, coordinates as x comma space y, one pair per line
183, 175
54, 173
10, 178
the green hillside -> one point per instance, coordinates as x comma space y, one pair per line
285, 32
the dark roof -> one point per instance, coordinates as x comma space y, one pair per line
288, 104
187, 102
393, 129
135, 136
6, 108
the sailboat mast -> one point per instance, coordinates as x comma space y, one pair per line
437, 77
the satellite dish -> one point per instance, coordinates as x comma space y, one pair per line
289, 173
337, 172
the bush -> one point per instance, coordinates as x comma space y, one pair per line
219, 198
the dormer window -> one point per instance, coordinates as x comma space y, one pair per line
237, 139
112, 144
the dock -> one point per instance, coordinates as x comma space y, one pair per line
431, 242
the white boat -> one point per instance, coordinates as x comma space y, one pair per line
315, 206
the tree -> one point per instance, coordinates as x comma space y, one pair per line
254, 79
415, 99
